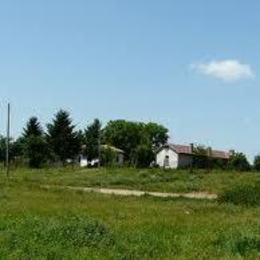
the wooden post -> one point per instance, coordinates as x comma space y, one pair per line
8, 140
192, 157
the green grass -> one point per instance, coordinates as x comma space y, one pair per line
247, 195
57, 224
144, 179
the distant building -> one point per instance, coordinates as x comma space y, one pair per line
119, 154
118, 158
173, 156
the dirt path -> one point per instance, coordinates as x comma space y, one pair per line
138, 193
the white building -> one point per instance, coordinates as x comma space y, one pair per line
84, 162
172, 156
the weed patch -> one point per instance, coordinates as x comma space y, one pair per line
239, 243
247, 195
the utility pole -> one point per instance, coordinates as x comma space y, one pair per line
99, 149
192, 157
8, 139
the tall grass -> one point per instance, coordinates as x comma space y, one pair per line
245, 195
143, 179
240, 243
37, 223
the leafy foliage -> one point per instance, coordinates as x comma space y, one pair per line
123, 134
143, 156
157, 135
128, 136
239, 162
2, 148
16, 149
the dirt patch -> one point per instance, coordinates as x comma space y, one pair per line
138, 193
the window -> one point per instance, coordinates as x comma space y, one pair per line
166, 161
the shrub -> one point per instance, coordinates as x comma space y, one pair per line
238, 162
248, 195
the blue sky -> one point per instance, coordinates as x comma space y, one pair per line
191, 65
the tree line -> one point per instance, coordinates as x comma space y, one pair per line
62, 143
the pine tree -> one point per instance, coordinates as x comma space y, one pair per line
33, 128
34, 142
62, 138
92, 139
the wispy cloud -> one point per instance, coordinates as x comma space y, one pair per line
226, 70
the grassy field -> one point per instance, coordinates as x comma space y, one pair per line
56, 224
144, 179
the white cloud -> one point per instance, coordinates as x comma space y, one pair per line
226, 70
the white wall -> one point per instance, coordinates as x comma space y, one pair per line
173, 158
83, 161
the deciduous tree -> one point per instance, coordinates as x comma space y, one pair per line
132, 137
238, 162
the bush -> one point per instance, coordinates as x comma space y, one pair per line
239, 162
247, 195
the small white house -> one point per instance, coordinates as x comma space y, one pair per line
172, 156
